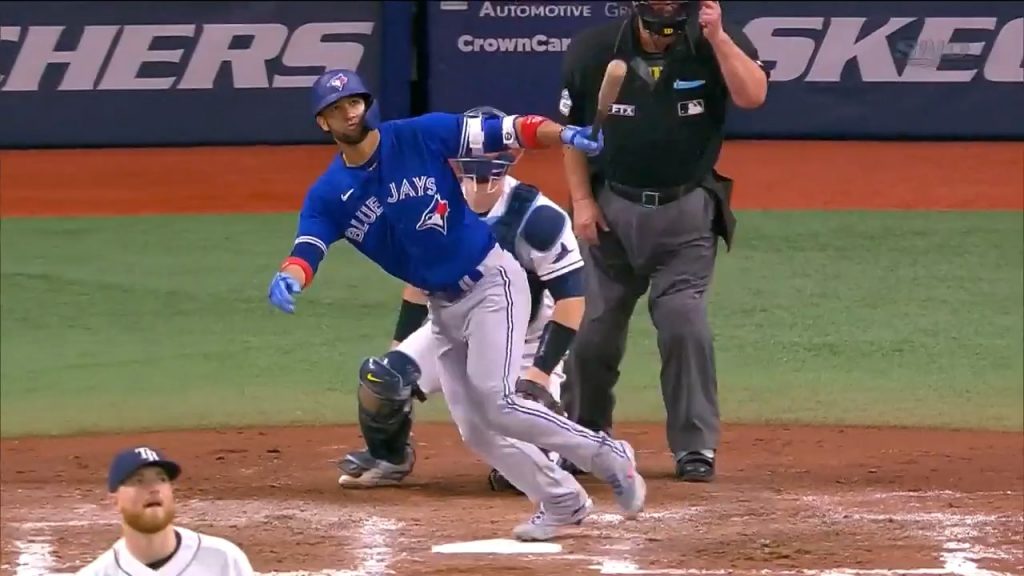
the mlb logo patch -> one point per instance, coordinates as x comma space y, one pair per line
691, 107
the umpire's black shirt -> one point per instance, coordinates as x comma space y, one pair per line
665, 128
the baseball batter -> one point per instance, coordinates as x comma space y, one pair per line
140, 481
537, 231
392, 194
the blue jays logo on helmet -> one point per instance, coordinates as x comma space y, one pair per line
488, 169
338, 81
333, 85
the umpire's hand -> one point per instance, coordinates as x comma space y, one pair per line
586, 219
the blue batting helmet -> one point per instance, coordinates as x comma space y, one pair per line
334, 85
486, 168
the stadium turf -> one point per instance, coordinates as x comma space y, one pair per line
910, 318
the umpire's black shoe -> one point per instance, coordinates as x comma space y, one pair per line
695, 467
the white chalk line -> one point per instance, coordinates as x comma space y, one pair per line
36, 553
959, 558
34, 557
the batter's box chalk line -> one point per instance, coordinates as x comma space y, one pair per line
373, 537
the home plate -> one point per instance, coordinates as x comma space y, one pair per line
497, 546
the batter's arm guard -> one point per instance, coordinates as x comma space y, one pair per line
461, 136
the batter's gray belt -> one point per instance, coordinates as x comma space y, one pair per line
457, 291
650, 197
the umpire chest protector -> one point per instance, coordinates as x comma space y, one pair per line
665, 128
521, 200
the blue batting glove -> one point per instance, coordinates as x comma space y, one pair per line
280, 293
579, 138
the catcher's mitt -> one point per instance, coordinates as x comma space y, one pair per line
538, 393
500, 484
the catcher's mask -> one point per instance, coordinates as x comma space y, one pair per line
661, 17
489, 169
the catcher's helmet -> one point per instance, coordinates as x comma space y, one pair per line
334, 85
663, 18
486, 168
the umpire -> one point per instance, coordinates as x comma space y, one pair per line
650, 209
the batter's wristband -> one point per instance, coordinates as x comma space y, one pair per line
554, 343
307, 270
528, 127
410, 317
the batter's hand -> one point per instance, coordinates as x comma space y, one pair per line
578, 138
586, 219
280, 292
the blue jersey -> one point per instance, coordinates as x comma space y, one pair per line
404, 208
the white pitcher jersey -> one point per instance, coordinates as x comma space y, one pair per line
198, 555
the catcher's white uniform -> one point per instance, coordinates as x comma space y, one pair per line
562, 258
198, 555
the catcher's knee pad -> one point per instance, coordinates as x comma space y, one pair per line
385, 403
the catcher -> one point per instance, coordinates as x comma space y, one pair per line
539, 233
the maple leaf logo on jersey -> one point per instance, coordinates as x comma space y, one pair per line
436, 216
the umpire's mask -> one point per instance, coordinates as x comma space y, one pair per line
661, 17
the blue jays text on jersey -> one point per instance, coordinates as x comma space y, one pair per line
403, 208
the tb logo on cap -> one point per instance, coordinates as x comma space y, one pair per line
147, 454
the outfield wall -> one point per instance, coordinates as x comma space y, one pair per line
76, 74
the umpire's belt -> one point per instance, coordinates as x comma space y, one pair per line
649, 197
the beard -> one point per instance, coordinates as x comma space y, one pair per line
150, 520
349, 138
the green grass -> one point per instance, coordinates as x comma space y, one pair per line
162, 322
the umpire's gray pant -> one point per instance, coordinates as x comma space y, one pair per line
671, 249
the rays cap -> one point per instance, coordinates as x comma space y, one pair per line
129, 461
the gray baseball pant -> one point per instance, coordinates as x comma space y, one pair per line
479, 340
671, 250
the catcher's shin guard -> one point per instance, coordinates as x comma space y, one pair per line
386, 386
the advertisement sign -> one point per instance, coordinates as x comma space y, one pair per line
839, 69
182, 73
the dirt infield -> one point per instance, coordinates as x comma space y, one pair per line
789, 500
831, 501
